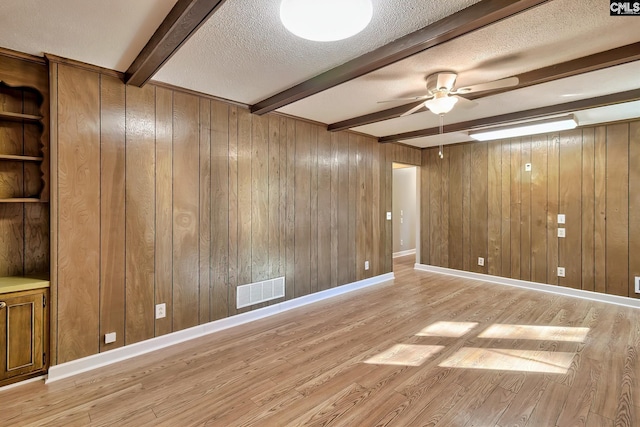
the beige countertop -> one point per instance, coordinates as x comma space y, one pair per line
17, 284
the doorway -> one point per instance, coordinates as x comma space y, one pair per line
405, 215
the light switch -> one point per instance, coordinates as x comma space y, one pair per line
562, 232
561, 219
388, 216
527, 167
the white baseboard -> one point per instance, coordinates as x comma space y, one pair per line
85, 364
404, 253
559, 290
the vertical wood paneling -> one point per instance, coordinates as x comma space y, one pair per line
325, 211
140, 214
343, 209
505, 196
634, 205
435, 214
313, 208
478, 205
78, 171
539, 209
260, 198
588, 209
335, 168
387, 234
516, 205
112, 210
617, 217
361, 208
600, 164
234, 214
525, 211
377, 212
552, 208
291, 206
425, 203
274, 196
204, 228
164, 208
220, 211
245, 222
494, 193
284, 196
570, 199
466, 207
303, 209
186, 210
455, 206
444, 248
352, 200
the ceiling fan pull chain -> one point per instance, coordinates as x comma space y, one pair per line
440, 153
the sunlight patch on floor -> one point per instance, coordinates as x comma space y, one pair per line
533, 332
405, 355
447, 329
510, 360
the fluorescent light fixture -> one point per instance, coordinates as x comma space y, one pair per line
527, 128
441, 103
325, 20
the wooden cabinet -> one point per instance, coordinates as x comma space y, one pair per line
23, 335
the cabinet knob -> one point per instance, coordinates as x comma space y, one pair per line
2, 305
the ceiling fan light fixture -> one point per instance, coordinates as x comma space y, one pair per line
326, 20
441, 104
528, 128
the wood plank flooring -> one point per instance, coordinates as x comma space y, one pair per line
425, 350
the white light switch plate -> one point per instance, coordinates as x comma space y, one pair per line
562, 232
366, 265
561, 219
527, 167
110, 338
388, 216
560, 271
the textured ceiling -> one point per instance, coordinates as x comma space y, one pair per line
244, 54
107, 33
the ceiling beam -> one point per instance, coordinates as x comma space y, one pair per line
180, 24
479, 15
568, 107
598, 61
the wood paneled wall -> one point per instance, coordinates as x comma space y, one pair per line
480, 202
167, 197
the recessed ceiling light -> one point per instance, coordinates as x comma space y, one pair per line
325, 20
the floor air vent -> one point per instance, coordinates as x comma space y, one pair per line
258, 292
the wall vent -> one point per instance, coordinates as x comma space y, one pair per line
255, 293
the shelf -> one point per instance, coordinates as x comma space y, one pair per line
23, 200
20, 158
19, 117
18, 283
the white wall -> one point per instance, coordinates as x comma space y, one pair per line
404, 209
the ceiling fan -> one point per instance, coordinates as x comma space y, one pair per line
441, 95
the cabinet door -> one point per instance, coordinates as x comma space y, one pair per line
21, 334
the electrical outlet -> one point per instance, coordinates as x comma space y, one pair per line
401, 220
366, 265
562, 232
527, 167
388, 216
637, 284
110, 337
401, 212
161, 310
401, 242
561, 219
480, 261
560, 271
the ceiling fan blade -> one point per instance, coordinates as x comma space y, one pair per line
413, 98
413, 110
481, 87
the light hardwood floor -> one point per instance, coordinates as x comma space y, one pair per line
426, 350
